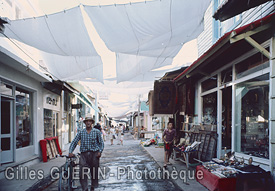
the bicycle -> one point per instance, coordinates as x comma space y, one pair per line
66, 181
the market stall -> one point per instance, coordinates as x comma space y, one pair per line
233, 175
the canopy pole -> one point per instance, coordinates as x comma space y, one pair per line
138, 116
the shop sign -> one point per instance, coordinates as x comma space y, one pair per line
77, 106
51, 102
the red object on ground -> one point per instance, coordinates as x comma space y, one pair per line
213, 182
43, 145
56, 142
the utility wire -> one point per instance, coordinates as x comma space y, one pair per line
31, 57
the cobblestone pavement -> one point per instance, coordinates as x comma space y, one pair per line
128, 167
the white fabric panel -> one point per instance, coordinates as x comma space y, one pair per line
129, 67
147, 35
74, 68
129, 88
62, 33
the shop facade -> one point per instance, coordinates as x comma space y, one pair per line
21, 109
51, 115
234, 92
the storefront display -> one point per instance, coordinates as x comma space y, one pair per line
252, 116
23, 118
50, 123
232, 174
210, 109
213, 182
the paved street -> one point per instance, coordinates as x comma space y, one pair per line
128, 167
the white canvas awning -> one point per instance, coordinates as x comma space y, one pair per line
66, 48
147, 35
144, 36
74, 68
62, 33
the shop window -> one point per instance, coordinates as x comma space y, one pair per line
210, 109
252, 113
50, 123
24, 128
252, 64
209, 83
5, 89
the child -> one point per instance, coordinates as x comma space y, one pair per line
121, 138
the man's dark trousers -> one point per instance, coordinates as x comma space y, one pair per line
89, 160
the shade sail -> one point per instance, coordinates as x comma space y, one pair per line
71, 68
147, 35
65, 44
62, 33
133, 67
129, 88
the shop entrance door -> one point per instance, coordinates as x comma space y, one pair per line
6, 130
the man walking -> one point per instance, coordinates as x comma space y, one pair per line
91, 148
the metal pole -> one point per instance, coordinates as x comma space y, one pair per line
138, 116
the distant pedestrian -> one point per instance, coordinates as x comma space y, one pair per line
119, 131
98, 126
168, 137
121, 138
112, 134
103, 133
116, 130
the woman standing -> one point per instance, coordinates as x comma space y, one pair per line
168, 137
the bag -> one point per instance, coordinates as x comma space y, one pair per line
114, 137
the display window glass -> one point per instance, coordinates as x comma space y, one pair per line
50, 123
251, 65
210, 108
24, 127
252, 114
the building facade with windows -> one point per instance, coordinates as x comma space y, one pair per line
21, 108
234, 81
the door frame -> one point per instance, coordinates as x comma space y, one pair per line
11, 134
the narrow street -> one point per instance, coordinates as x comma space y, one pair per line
191, 81
123, 167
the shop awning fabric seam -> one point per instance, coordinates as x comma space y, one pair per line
225, 38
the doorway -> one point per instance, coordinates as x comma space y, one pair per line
6, 130
226, 117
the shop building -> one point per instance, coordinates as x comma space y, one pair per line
21, 108
233, 91
59, 116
